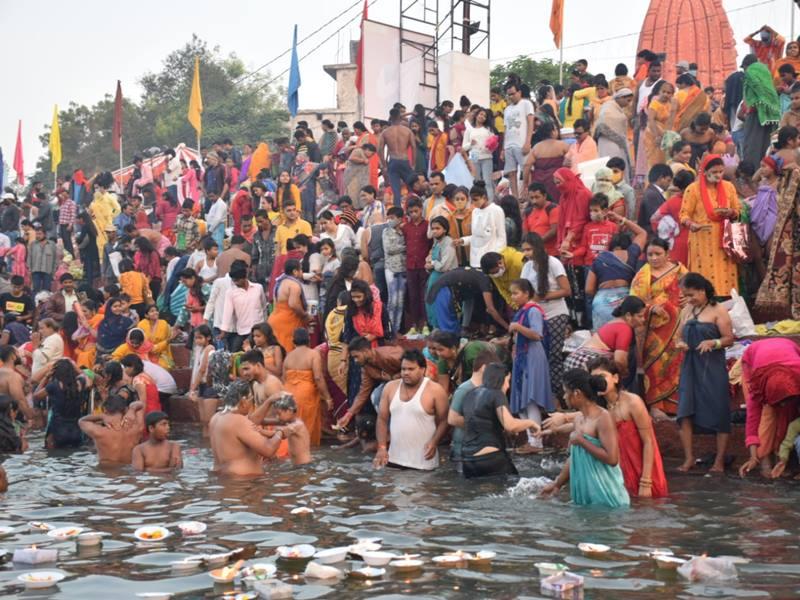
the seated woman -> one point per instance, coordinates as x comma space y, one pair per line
158, 333
771, 387
613, 340
65, 388
86, 336
485, 419
263, 339
113, 329
704, 399
608, 280
135, 343
593, 471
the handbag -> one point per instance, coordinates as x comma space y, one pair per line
736, 241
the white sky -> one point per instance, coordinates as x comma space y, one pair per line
57, 52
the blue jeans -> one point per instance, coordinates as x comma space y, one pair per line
219, 235
484, 169
41, 281
446, 317
396, 282
399, 172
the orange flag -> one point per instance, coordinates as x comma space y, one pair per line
557, 21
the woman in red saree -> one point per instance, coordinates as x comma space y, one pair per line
657, 284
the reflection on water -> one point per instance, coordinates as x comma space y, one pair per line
428, 513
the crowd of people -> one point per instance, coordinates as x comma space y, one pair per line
356, 287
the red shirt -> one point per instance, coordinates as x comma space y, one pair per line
540, 220
242, 205
616, 335
417, 244
596, 237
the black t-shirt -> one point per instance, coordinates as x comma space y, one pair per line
22, 305
464, 282
482, 428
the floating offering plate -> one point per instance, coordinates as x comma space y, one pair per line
39, 526
39, 580
302, 510
331, 556
359, 548
593, 549
563, 585
5, 531
451, 560
668, 562
65, 533
226, 574
187, 564
367, 573
378, 558
547, 569
314, 570
151, 533
299, 553
90, 538
484, 557
191, 527
258, 572
407, 565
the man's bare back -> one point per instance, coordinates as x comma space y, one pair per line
238, 446
12, 384
157, 457
115, 436
398, 139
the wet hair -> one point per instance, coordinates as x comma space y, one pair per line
285, 402
494, 375
154, 417
415, 356
64, 374
359, 344
701, 120
300, 337
543, 132
134, 362
658, 171
115, 405
9, 440
621, 240
631, 305
600, 200
448, 339
490, 260
253, 357
589, 385
540, 260
657, 241
683, 179
695, 281
236, 391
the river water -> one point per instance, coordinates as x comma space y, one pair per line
426, 513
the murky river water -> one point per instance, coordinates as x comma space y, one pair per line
411, 512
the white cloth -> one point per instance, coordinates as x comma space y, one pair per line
345, 238
475, 142
551, 308
515, 119
49, 351
644, 95
216, 301
218, 214
161, 377
172, 172
410, 428
488, 233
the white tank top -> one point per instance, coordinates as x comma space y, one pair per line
644, 93
410, 429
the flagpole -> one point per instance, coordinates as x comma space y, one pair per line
561, 55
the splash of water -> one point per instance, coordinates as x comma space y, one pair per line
529, 487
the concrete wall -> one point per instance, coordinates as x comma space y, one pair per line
461, 74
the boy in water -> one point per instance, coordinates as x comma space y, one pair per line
294, 430
157, 454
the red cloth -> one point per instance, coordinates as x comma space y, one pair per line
141, 220
418, 245
596, 237
167, 213
19, 162
540, 220
149, 264
630, 460
242, 205
680, 247
574, 204
373, 324
616, 335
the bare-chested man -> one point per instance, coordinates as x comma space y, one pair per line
238, 444
253, 370
117, 431
398, 139
413, 414
158, 454
12, 384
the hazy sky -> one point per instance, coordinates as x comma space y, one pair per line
58, 52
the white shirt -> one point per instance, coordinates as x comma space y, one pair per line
244, 308
172, 172
69, 301
515, 119
479, 135
345, 237
49, 351
216, 301
488, 233
217, 215
171, 266
551, 308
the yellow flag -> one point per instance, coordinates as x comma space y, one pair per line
55, 142
196, 100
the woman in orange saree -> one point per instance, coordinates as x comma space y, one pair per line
657, 283
692, 100
660, 117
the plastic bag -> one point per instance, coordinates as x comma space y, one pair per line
743, 325
709, 569
457, 172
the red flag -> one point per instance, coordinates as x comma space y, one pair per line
360, 55
19, 164
116, 135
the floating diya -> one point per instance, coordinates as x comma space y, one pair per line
6, 531
65, 533
331, 556
314, 570
39, 526
189, 528
302, 510
226, 574
361, 546
482, 558
407, 564
39, 580
34, 555
593, 549
669, 562
378, 558
258, 572
91, 538
151, 533
296, 554
450, 560
547, 569
367, 573
187, 564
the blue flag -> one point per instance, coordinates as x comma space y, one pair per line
294, 78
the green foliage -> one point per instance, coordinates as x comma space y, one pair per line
245, 111
530, 71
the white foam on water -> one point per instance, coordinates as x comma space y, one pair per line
529, 486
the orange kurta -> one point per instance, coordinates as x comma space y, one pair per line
300, 383
284, 321
706, 255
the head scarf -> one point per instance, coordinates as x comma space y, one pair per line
759, 93
722, 198
603, 184
113, 328
572, 187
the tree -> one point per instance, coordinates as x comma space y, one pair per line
246, 110
530, 71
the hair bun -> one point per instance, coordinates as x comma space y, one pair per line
598, 383
479, 183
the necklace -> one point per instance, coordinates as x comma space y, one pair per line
612, 401
403, 387
697, 313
